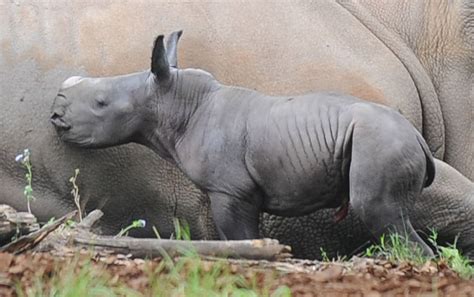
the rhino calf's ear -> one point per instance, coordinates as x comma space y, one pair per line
172, 48
159, 61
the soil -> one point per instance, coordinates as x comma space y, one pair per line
358, 277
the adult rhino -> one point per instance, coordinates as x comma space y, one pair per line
322, 44
434, 40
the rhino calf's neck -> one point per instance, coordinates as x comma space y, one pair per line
250, 152
169, 120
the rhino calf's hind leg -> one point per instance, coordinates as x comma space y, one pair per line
382, 218
383, 185
235, 218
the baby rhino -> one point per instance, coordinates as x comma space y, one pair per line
251, 152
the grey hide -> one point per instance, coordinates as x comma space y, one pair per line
250, 152
363, 48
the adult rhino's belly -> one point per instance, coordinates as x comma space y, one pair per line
290, 194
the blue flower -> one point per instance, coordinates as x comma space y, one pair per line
24, 157
19, 158
142, 223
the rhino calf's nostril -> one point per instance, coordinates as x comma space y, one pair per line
55, 116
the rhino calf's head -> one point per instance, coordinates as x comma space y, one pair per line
106, 111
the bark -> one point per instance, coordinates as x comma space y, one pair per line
261, 249
81, 237
29, 241
66, 237
13, 224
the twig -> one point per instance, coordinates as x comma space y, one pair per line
31, 240
268, 249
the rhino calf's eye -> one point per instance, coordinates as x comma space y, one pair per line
101, 103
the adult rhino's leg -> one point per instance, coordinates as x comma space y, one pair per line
447, 206
312, 234
382, 184
46, 205
235, 218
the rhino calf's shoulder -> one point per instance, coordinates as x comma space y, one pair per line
251, 152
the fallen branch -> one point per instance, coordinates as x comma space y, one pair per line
15, 224
88, 222
81, 237
29, 241
262, 249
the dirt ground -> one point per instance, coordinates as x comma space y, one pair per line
358, 277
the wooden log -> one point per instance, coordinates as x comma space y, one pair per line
29, 241
258, 249
13, 224
62, 239
88, 222
81, 237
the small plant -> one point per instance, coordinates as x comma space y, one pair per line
456, 261
24, 159
452, 257
155, 230
188, 275
135, 224
324, 255
182, 230
397, 248
75, 193
70, 224
50, 221
77, 278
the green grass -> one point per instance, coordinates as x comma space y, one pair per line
182, 230
70, 280
199, 279
398, 248
456, 261
453, 257
325, 257
188, 275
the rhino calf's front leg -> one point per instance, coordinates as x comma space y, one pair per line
235, 218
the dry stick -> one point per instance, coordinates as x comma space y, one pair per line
13, 222
89, 221
262, 249
29, 241
258, 249
75, 193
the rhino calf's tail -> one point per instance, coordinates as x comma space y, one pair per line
430, 165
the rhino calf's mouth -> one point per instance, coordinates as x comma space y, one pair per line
59, 108
59, 122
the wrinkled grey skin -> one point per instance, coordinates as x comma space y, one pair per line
446, 206
249, 152
435, 42
322, 44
